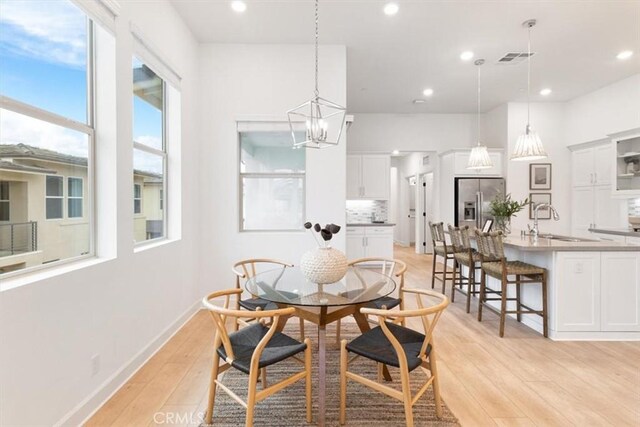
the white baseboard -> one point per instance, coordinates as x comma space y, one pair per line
90, 405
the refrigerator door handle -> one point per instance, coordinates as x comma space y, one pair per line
478, 208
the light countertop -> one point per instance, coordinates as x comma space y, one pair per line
616, 231
371, 224
528, 243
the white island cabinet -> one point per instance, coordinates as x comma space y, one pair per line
593, 287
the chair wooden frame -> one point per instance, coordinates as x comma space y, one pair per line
462, 247
389, 267
248, 271
429, 316
438, 238
491, 250
220, 316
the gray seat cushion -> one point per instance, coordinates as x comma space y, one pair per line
386, 301
245, 341
375, 345
252, 304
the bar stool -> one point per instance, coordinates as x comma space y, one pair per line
495, 264
441, 249
464, 255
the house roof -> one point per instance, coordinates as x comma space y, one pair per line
4, 165
24, 151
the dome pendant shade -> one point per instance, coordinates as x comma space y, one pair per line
479, 158
529, 147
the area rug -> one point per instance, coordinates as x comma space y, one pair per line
365, 406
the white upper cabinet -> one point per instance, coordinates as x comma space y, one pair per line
583, 167
368, 176
602, 164
461, 160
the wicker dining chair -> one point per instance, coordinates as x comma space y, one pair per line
496, 265
392, 344
247, 269
388, 267
250, 350
464, 255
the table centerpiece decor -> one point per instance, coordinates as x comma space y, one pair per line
324, 264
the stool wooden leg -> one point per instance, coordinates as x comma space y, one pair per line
453, 281
338, 328
545, 326
433, 271
471, 285
444, 274
503, 305
483, 278
518, 305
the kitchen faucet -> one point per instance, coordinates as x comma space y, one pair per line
535, 232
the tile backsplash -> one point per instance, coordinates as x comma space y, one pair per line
634, 207
362, 211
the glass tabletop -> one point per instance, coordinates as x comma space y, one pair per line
287, 285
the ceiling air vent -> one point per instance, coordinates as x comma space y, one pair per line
512, 58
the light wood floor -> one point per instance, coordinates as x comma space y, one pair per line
519, 380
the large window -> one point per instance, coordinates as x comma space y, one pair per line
47, 132
272, 181
149, 152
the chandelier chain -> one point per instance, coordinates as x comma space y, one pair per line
478, 115
316, 91
529, 77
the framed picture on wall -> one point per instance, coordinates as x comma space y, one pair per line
536, 199
540, 176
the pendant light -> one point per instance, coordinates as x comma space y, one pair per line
323, 119
529, 147
479, 158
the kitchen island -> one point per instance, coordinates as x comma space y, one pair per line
593, 286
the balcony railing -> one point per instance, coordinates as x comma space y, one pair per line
18, 238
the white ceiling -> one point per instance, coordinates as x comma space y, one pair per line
392, 59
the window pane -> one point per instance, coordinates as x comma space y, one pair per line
42, 156
273, 203
54, 186
75, 187
4, 190
43, 52
4, 211
262, 152
74, 208
137, 191
54, 208
148, 177
148, 106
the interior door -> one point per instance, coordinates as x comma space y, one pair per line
354, 177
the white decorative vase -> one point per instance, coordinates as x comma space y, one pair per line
323, 265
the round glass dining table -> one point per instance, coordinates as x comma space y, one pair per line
322, 304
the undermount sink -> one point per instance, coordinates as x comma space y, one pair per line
564, 238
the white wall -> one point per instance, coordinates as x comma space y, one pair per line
411, 132
262, 80
121, 308
548, 121
611, 109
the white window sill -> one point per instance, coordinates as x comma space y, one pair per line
152, 244
18, 278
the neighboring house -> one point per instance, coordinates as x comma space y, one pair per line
44, 206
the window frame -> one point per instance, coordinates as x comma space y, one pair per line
242, 175
137, 198
7, 201
87, 128
70, 197
154, 151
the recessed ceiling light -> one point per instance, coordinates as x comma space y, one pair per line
545, 92
625, 54
391, 9
419, 101
395, 152
427, 92
238, 6
466, 55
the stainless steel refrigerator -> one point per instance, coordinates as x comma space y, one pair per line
472, 198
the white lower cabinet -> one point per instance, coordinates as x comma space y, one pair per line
369, 242
620, 289
598, 291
